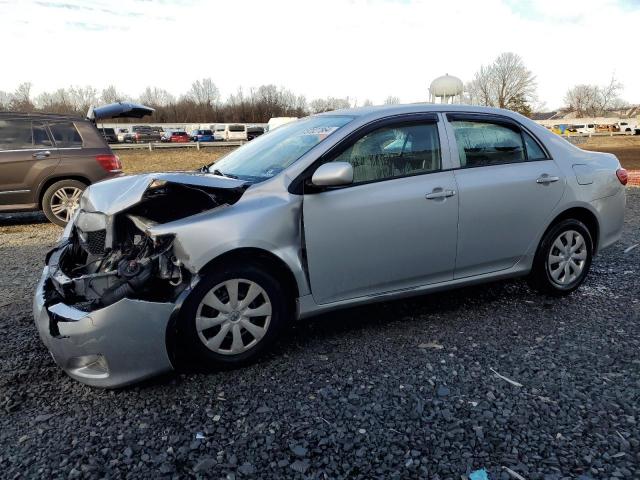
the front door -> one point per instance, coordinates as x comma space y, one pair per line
395, 227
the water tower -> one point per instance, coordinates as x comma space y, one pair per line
448, 89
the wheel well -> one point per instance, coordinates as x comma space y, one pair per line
586, 217
267, 259
51, 181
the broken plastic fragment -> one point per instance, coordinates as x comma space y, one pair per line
479, 475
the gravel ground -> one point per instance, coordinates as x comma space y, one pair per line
404, 389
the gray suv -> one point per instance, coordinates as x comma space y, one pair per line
47, 160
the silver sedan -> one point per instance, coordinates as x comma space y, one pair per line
334, 210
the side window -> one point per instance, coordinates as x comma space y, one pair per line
394, 152
40, 135
483, 143
15, 134
65, 134
534, 152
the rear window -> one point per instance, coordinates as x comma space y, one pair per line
236, 128
205, 132
65, 134
15, 134
108, 131
220, 128
178, 133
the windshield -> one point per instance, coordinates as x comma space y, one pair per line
269, 154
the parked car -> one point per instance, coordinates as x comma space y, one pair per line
236, 132
48, 160
397, 201
276, 122
254, 132
109, 135
179, 136
121, 135
202, 135
219, 133
143, 134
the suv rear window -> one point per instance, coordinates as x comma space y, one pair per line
65, 134
236, 128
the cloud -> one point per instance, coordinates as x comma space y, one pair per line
360, 48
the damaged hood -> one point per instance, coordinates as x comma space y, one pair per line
112, 196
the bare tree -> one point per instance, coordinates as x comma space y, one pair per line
367, 103
155, 96
111, 95
594, 100
21, 98
391, 100
5, 100
82, 97
56, 102
204, 92
327, 104
505, 83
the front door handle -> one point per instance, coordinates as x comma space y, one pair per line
438, 193
545, 179
44, 154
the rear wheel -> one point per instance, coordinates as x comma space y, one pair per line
61, 199
233, 316
563, 259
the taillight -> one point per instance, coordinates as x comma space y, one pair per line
110, 162
622, 175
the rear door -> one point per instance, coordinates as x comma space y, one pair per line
27, 158
508, 188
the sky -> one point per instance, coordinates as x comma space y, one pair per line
364, 49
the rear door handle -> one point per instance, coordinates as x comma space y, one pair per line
546, 179
44, 154
439, 193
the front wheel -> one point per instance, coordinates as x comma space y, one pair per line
563, 258
233, 316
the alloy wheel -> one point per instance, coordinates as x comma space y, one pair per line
64, 202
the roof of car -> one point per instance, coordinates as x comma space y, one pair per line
384, 110
40, 115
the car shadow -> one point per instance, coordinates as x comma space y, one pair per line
27, 218
322, 329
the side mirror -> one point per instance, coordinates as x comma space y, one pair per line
333, 174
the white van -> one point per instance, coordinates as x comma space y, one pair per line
219, 132
275, 122
236, 131
585, 128
627, 126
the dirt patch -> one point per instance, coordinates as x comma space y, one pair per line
626, 148
141, 161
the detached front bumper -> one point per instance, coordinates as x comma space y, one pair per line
109, 347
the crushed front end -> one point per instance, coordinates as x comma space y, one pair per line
110, 287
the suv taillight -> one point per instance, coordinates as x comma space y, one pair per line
110, 162
622, 175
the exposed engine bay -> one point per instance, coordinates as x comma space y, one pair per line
109, 257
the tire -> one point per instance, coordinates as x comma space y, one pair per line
563, 259
201, 322
61, 199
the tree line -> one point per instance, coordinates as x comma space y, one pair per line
201, 103
504, 83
